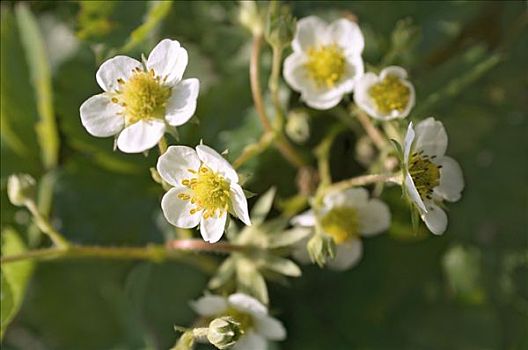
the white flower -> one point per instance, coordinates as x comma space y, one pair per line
345, 216
430, 177
205, 189
257, 325
387, 96
141, 100
326, 60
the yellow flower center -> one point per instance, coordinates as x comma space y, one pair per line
143, 96
341, 223
325, 65
209, 192
245, 319
390, 94
425, 174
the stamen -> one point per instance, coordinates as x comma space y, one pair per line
390, 95
341, 223
425, 174
326, 65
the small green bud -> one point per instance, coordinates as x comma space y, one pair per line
297, 126
249, 17
224, 332
280, 26
20, 189
321, 247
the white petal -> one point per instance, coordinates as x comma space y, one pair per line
118, 67
213, 228
216, 162
311, 31
306, 219
141, 136
374, 217
354, 71
317, 102
270, 328
294, 71
182, 103
407, 144
168, 59
178, 211
347, 34
174, 165
413, 193
209, 305
100, 116
239, 202
347, 255
435, 219
394, 71
251, 341
300, 252
410, 104
451, 179
431, 137
362, 97
245, 303
351, 197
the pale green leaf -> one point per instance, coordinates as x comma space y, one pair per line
262, 207
251, 281
281, 265
225, 272
287, 238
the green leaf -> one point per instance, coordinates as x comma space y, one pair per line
157, 12
399, 150
262, 207
251, 281
224, 273
39, 67
287, 238
15, 277
281, 265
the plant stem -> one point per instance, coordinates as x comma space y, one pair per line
274, 84
375, 135
162, 145
254, 149
44, 225
284, 147
363, 180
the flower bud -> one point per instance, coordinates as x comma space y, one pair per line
224, 332
297, 126
280, 26
321, 247
249, 17
20, 189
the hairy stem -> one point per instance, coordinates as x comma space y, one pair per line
375, 135
364, 180
44, 225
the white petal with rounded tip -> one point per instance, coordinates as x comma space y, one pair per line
347, 254
213, 228
300, 252
352, 197
361, 94
141, 136
209, 305
168, 60
393, 70
174, 165
177, 211
431, 137
346, 34
100, 116
245, 303
182, 103
239, 202
410, 104
294, 71
306, 219
413, 193
311, 31
451, 179
118, 67
321, 104
435, 219
270, 328
216, 162
407, 143
251, 341
374, 217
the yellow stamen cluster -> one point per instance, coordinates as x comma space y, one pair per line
326, 65
245, 319
390, 94
425, 174
341, 223
143, 96
209, 192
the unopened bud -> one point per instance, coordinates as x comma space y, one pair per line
249, 17
321, 247
280, 26
297, 126
20, 189
224, 332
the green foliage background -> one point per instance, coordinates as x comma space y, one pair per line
467, 289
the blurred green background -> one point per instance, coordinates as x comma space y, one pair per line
467, 289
